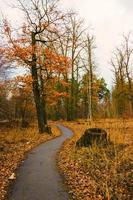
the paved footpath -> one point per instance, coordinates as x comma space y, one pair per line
38, 177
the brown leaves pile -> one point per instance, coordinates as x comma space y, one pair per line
14, 144
99, 173
79, 184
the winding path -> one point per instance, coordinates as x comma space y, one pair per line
38, 177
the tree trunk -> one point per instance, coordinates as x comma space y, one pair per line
90, 80
67, 100
40, 108
76, 93
72, 106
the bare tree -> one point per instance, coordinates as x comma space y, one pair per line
71, 44
76, 31
122, 63
88, 64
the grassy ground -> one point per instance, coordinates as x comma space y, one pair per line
100, 172
14, 144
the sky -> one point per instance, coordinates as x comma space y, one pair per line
109, 20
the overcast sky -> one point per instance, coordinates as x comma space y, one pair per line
109, 19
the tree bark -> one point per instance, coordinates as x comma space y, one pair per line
90, 79
40, 108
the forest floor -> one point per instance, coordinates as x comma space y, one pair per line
99, 173
96, 173
14, 145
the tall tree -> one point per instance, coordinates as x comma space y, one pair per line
42, 20
90, 47
76, 30
122, 63
89, 65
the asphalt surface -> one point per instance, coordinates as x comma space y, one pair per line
38, 177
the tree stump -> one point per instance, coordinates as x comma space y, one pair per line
93, 136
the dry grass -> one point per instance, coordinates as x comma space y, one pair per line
14, 143
100, 172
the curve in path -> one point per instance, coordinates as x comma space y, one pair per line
38, 177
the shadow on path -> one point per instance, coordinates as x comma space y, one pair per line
38, 177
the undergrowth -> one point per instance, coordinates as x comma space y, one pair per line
109, 169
